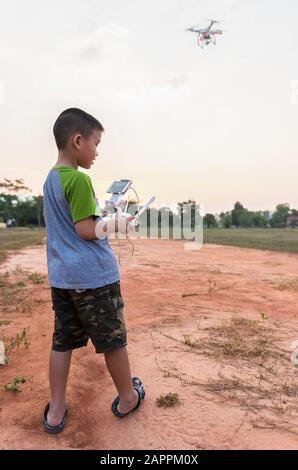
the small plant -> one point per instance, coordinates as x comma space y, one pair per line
190, 342
36, 278
5, 296
263, 316
18, 270
13, 386
171, 399
20, 284
4, 322
212, 286
18, 340
12, 296
3, 279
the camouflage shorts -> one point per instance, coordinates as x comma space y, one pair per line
88, 313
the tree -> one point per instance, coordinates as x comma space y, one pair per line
209, 220
246, 218
26, 210
236, 214
187, 208
279, 217
259, 219
227, 220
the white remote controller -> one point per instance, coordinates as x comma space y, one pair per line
126, 214
142, 210
147, 204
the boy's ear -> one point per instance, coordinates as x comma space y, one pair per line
77, 141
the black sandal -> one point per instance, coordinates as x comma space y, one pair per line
137, 385
53, 429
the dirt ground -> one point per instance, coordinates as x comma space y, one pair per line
213, 326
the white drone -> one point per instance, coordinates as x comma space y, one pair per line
205, 35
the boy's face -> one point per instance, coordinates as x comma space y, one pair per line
86, 149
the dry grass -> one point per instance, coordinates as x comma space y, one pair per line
291, 284
258, 376
213, 287
13, 294
239, 338
169, 400
13, 298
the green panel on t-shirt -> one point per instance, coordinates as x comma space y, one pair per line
79, 193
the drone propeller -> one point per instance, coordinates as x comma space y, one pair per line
194, 26
211, 21
200, 25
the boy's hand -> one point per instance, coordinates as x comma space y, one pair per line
122, 223
86, 229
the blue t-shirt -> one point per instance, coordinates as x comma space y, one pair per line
74, 263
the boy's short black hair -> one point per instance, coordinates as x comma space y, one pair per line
74, 120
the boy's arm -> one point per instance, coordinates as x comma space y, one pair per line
84, 211
86, 228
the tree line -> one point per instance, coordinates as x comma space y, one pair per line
28, 210
25, 210
239, 216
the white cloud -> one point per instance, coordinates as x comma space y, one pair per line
105, 47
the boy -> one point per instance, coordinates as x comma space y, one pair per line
82, 270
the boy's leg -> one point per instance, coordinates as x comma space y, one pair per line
58, 375
118, 365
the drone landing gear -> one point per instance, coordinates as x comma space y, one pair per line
201, 42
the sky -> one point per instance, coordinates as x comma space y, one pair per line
218, 125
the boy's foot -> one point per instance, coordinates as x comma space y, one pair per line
54, 424
126, 406
140, 393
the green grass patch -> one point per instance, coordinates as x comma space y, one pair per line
18, 340
13, 386
273, 239
36, 278
16, 238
